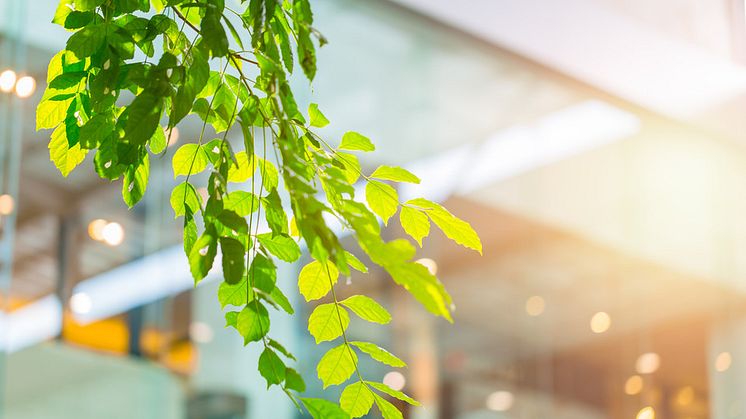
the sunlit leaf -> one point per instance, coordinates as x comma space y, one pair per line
336, 366
367, 309
328, 322
316, 279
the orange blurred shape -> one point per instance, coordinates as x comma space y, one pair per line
109, 335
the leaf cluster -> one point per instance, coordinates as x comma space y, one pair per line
132, 70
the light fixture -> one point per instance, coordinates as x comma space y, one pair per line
395, 380
7, 81
648, 363
112, 234
723, 361
535, 305
96, 228
25, 86
600, 322
6, 204
200, 332
633, 385
174, 137
500, 401
646, 412
429, 264
81, 303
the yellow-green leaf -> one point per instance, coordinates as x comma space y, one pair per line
388, 410
317, 118
336, 366
367, 309
415, 223
393, 393
394, 173
379, 354
328, 322
382, 199
356, 399
316, 279
244, 170
189, 159
64, 157
355, 263
241, 202
356, 142
454, 228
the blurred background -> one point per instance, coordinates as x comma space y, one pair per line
597, 146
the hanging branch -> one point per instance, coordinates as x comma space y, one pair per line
81, 105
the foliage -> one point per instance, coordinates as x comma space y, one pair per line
131, 65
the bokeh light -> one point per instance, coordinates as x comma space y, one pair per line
600, 322
648, 363
7, 81
535, 305
500, 401
395, 380
25, 86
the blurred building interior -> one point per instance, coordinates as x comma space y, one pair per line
596, 146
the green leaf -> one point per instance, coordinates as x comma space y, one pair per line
294, 381
323, 409
202, 255
271, 367
415, 223
317, 118
269, 174
87, 41
281, 300
328, 322
356, 399
454, 228
263, 273
185, 198
388, 410
382, 199
231, 318
394, 173
64, 157
51, 113
316, 279
96, 129
189, 159
352, 168
355, 263
233, 259
253, 322
143, 118
238, 294
135, 182
354, 141
379, 354
157, 142
244, 170
336, 366
393, 393
242, 203
424, 286
282, 246
213, 32
367, 309
281, 349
